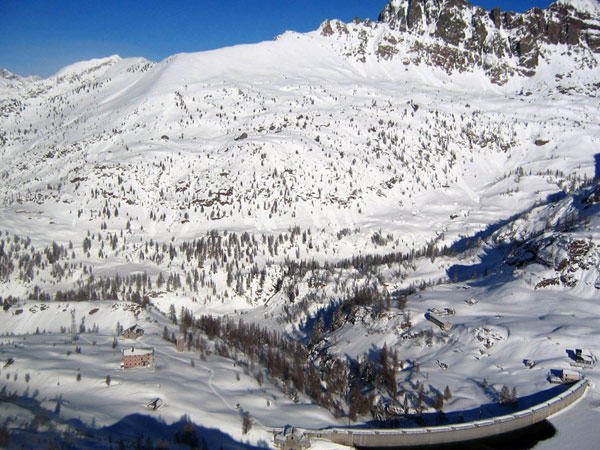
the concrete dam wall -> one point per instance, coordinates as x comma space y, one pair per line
381, 438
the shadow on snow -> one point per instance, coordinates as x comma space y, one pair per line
47, 429
493, 261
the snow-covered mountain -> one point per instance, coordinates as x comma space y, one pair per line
9, 79
330, 186
7, 75
275, 134
501, 43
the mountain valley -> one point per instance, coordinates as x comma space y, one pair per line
293, 212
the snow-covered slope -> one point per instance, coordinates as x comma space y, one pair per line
329, 186
456, 36
297, 131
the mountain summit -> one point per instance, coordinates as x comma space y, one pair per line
455, 35
309, 206
8, 75
339, 128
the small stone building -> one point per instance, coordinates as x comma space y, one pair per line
445, 326
584, 358
137, 357
133, 332
570, 376
291, 439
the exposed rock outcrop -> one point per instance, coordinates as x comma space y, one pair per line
457, 36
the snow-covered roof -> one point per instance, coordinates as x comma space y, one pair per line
132, 351
290, 431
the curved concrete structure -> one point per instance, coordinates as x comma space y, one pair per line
381, 438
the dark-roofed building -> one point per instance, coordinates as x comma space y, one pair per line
133, 332
291, 439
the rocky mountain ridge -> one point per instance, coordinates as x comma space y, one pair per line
350, 126
459, 37
8, 75
328, 190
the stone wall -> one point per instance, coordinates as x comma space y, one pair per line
452, 433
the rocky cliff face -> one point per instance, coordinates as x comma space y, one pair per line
457, 36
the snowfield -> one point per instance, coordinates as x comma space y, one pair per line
319, 198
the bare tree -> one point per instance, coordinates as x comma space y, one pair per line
246, 422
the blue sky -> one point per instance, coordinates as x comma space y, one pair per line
38, 37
